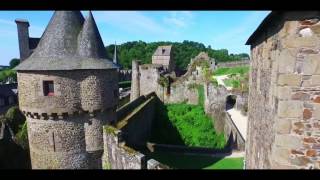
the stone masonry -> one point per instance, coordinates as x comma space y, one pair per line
284, 93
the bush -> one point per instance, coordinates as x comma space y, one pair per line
7, 74
194, 126
22, 136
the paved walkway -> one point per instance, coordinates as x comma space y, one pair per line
220, 81
239, 120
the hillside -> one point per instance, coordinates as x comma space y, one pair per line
182, 52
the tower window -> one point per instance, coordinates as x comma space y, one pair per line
48, 88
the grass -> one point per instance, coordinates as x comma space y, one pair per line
232, 83
185, 124
187, 161
227, 163
233, 70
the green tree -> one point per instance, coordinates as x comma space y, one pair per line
14, 62
182, 52
14, 118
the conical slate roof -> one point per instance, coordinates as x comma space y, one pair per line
68, 43
90, 42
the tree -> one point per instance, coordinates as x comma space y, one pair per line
182, 52
15, 118
14, 62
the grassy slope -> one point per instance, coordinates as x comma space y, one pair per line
233, 70
185, 124
227, 163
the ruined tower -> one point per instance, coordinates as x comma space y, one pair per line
68, 89
135, 81
163, 56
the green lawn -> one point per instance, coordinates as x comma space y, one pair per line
227, 163
233, 70
185, 124
183, 161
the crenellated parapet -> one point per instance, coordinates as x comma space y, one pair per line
64, 115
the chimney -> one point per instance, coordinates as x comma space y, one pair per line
23, 38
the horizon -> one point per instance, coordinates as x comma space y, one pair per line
235, 27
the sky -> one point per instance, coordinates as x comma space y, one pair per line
219, 29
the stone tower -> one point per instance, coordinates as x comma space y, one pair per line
23, 37
135, 81
68, 90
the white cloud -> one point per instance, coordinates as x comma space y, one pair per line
179, 19
131, 21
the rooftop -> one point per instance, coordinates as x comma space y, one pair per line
69, 42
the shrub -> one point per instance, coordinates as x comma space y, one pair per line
22, 136
14, 118
194, 126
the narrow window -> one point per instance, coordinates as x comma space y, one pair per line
48, 88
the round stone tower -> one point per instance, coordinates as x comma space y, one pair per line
68, 90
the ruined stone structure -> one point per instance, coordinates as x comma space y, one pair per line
26, 43
163, 56
146, 79
68, 90
234, 63
204, 56
284, 93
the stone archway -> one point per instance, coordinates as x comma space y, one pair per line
230, 101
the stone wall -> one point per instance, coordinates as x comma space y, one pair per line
131, 132
136, 125
284, 93
234, 63
215, 106
117, 155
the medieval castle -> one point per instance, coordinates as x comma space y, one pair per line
68, 90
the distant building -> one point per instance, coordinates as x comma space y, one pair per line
163, 56
8, 96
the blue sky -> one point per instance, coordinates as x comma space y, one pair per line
220, 29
